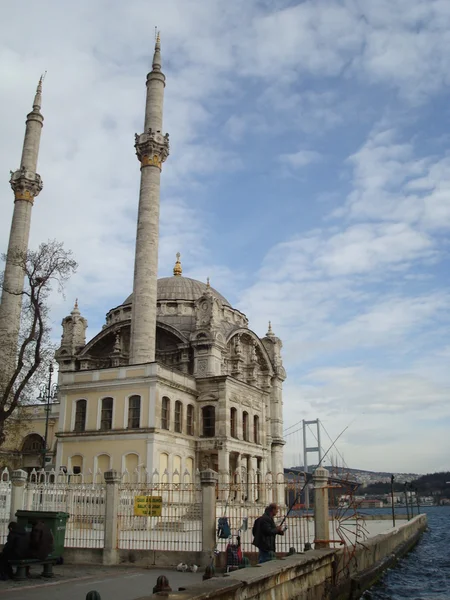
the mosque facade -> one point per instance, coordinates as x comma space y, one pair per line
176, 380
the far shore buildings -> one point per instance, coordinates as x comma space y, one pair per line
176, 380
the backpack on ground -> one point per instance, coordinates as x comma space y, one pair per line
223, 528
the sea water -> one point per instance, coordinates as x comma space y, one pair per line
424, 573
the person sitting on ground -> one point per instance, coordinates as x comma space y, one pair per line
41, 540
264, 533
16, 548
162, 585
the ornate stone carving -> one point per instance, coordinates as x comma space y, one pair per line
237, 345
202, 366
152, 148
26, 185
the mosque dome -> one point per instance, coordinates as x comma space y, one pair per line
178, 287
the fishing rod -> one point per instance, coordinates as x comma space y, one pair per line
309, 475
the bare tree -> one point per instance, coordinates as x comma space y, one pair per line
45, 269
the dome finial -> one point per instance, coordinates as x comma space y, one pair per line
177, 270
207, 283
75, 310
270, 333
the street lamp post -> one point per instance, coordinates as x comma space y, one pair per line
48, 393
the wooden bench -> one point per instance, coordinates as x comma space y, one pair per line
24, 563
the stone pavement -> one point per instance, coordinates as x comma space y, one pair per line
73, 582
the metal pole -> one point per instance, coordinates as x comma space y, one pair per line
392, 500
47, 412
411, 499
407, 503
305, 466
418, 501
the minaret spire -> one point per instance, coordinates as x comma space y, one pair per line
152, 149
38, 98
26, 185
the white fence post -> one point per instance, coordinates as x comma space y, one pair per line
112, 479
321, 515
18, 480
208, 481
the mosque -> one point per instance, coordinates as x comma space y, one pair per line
176, 380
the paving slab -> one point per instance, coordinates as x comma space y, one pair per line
73, 582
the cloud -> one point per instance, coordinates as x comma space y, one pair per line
392, 182
300, 159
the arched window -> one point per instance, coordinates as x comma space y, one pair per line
80, 415
33, 443
131, 463
233, 422
256, 429
178, 416
134, 412
164, 467
103, 462
209, 421
76, 464
190, 420
245, 426
165, 413
107, 414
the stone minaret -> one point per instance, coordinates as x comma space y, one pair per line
152, 149
26, 185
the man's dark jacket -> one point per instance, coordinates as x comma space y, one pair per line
41, 541
264, 531
17, 543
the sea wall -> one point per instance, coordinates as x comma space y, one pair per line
314, 575
374, 556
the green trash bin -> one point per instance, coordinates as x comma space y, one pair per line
56, 522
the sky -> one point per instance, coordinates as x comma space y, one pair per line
309, 178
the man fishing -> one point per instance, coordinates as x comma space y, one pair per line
264, 533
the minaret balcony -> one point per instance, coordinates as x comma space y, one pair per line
152, 148
26, 185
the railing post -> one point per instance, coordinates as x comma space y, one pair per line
18, 480
321, 514
208, 480
110, 554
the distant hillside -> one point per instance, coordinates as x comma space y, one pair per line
362, 472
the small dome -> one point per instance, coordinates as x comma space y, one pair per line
182, 288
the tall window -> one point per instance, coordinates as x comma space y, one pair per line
107, 414
256, 429
165, 413
233, 422
134, 412
190, 420
245, 426
209, 421
80, 415
178, 416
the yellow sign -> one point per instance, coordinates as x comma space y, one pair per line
147, 506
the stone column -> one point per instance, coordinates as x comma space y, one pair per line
110, 553
224, 474
253, 466
263, 493
18, 480
208, 480
321, 514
